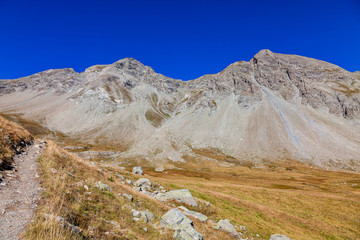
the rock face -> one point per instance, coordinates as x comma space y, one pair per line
279, 237
183, 226
182, 196
275, 106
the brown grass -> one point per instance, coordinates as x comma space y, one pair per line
32, 127
302, 202
11, 136
154, 118
65, 196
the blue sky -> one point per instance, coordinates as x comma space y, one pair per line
181, 39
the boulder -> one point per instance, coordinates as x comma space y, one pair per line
193, 214
159, 169
226, 226
144, 216
137, 170
183, 226
188, 234
182, 196
279, 237
143, 182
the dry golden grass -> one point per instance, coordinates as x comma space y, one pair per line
302, 202
11, 134
64, 195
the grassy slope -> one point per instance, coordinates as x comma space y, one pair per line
302, 202
10, 134
64, 195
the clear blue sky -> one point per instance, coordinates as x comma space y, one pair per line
181, 39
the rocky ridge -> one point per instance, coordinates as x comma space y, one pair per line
274, 106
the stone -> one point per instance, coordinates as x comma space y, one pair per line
135, 213
143, 182
137, 170
120, 176
279, 237
182, 196
128, 196
226, 226
193, 214
183, 226
73, 229
103, 186
146, 216
159, 169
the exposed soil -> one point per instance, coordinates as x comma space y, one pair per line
19, 192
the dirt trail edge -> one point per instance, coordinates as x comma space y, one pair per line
19, 192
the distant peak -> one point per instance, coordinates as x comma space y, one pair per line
264, 52
129, 64
128, 60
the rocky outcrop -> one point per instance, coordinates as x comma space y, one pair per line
183, 226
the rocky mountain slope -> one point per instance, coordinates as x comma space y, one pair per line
275, 106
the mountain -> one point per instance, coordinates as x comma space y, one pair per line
275, 106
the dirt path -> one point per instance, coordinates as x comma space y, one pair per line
19, 192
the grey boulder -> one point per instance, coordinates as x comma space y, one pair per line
279, 237
183, 226
143, 183
137, 170
226, 226
182, 196
193, 214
